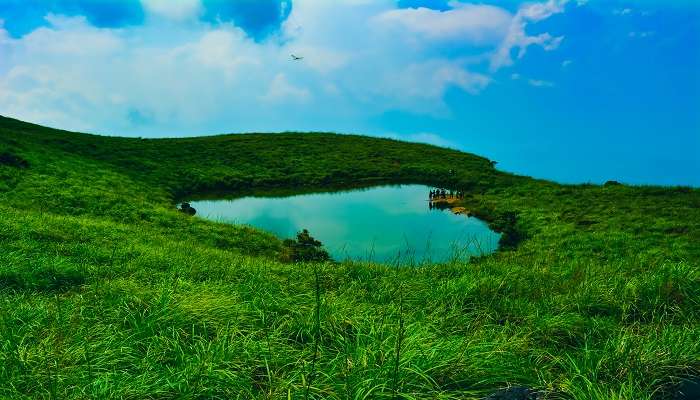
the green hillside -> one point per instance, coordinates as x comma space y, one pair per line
107, 291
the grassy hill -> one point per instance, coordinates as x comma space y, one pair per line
107, 291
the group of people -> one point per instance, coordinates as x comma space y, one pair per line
446, 194
443, 194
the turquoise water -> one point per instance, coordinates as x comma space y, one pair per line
382, 224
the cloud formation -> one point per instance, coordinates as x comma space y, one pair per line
477, 24
517, 37
177, 73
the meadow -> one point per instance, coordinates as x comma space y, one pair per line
108, 291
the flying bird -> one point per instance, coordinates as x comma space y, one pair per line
296, 58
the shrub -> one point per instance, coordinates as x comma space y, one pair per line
304, 248
511, 236
13, 160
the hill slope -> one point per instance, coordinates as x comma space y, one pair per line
108, 291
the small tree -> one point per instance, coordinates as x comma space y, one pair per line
304, 248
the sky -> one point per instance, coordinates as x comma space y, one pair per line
574, 91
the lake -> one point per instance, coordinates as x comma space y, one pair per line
382, 224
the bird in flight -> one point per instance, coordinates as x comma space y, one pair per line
296, 58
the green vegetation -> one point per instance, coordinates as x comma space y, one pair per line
107, 290
304, 249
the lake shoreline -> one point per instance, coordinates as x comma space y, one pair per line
365, 221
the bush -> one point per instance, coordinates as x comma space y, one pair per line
13, 160
506, 224
304, 248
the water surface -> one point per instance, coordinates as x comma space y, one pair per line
382, 224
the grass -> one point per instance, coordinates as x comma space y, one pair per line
106, 291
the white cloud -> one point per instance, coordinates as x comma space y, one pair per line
76, 76
220, 50
423, 137
430, 138
177, 10
641, 35
535, 12
477, 24
437, 76
566, 63
282, 90
70, 36
206, 78
517, 37
540, 83
622, 11
322, 59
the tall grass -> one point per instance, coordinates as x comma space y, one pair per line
106, 291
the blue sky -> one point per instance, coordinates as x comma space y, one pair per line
574, 91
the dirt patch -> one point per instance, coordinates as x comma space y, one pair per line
451, 204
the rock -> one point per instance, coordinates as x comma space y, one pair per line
514, 393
